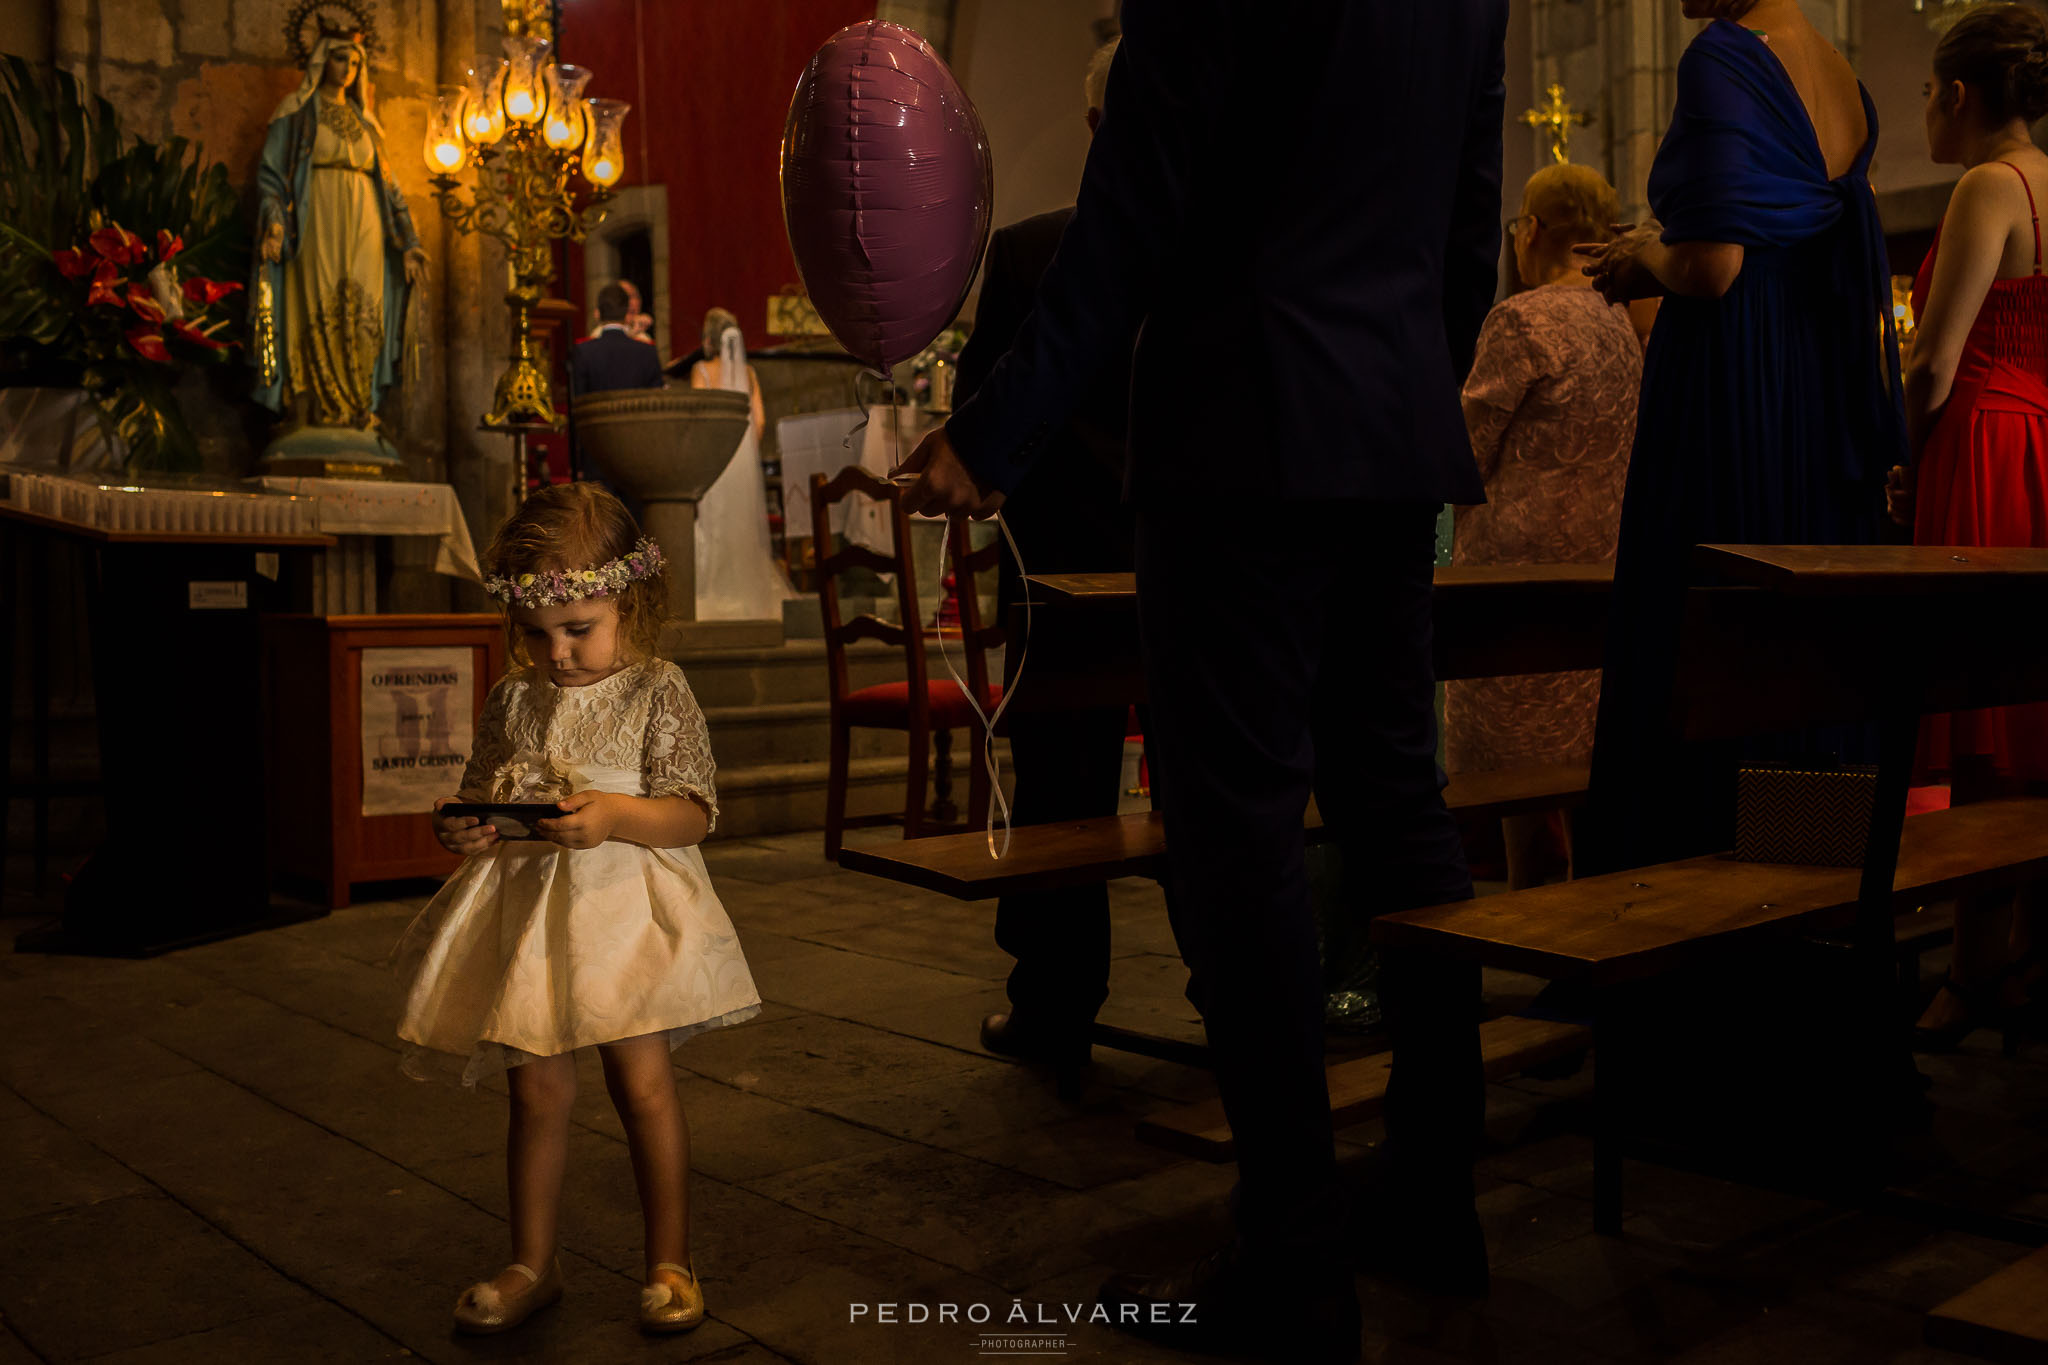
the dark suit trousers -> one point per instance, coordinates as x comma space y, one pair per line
1068, 766
1288, 653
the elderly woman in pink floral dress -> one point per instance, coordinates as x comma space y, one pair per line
1551, 408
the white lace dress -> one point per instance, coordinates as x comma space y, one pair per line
532, 949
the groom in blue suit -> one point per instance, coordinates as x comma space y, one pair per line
1330, 224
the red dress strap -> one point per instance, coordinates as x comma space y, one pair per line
2030, 209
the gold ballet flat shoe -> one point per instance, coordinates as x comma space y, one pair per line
672, 1301
482, 1309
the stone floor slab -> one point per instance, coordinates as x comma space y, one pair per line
48, 1167
793, 1280
356, 997
979, 1218
128, 1272
959, 938
322, 1209
955, 1111
849, 985
343, 1083
809, 1058
71, 1051
365, 933
14, 1351
952, 1021
316, 1333
1084, 1152
798, 908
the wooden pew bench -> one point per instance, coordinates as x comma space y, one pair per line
1875, 634
1629, 925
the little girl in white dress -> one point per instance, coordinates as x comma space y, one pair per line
603, 930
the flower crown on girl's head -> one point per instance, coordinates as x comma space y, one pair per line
558, 586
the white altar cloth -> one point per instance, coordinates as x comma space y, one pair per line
366, 507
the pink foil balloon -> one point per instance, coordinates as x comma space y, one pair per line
886, 190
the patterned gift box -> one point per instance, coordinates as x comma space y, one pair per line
1816, 817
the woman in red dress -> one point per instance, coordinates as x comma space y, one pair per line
1976, 394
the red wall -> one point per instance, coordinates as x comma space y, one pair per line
709, 82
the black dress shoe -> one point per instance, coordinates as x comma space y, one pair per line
1221, 1305
1004, 1034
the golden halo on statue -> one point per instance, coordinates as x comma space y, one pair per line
310, 19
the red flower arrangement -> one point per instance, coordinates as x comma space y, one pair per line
121, 272
98, 229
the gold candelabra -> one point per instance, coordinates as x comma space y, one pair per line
533, 138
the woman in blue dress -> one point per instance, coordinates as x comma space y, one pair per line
1770, 410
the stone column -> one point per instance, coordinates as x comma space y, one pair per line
475, 320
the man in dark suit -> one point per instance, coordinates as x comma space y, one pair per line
612, 357
1068, 516
1340, 251
609, 358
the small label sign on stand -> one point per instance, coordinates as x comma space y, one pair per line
233, 596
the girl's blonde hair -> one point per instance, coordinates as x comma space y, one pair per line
577, 526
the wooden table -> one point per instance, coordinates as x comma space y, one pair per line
171, 619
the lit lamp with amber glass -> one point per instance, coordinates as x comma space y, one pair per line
523, 122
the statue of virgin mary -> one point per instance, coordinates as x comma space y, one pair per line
337, 263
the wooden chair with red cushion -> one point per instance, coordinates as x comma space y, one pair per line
917, 706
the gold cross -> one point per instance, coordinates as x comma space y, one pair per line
1556, 118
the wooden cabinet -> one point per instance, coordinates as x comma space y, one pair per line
313, 718
171, 623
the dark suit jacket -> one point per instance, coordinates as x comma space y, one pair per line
1067, 512
613, 360
1330, 224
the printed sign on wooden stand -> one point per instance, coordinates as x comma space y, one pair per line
368, 720
416, 726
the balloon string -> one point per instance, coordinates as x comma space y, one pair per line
846, 443
999, 805
997, 801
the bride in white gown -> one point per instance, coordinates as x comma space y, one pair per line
738, 577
